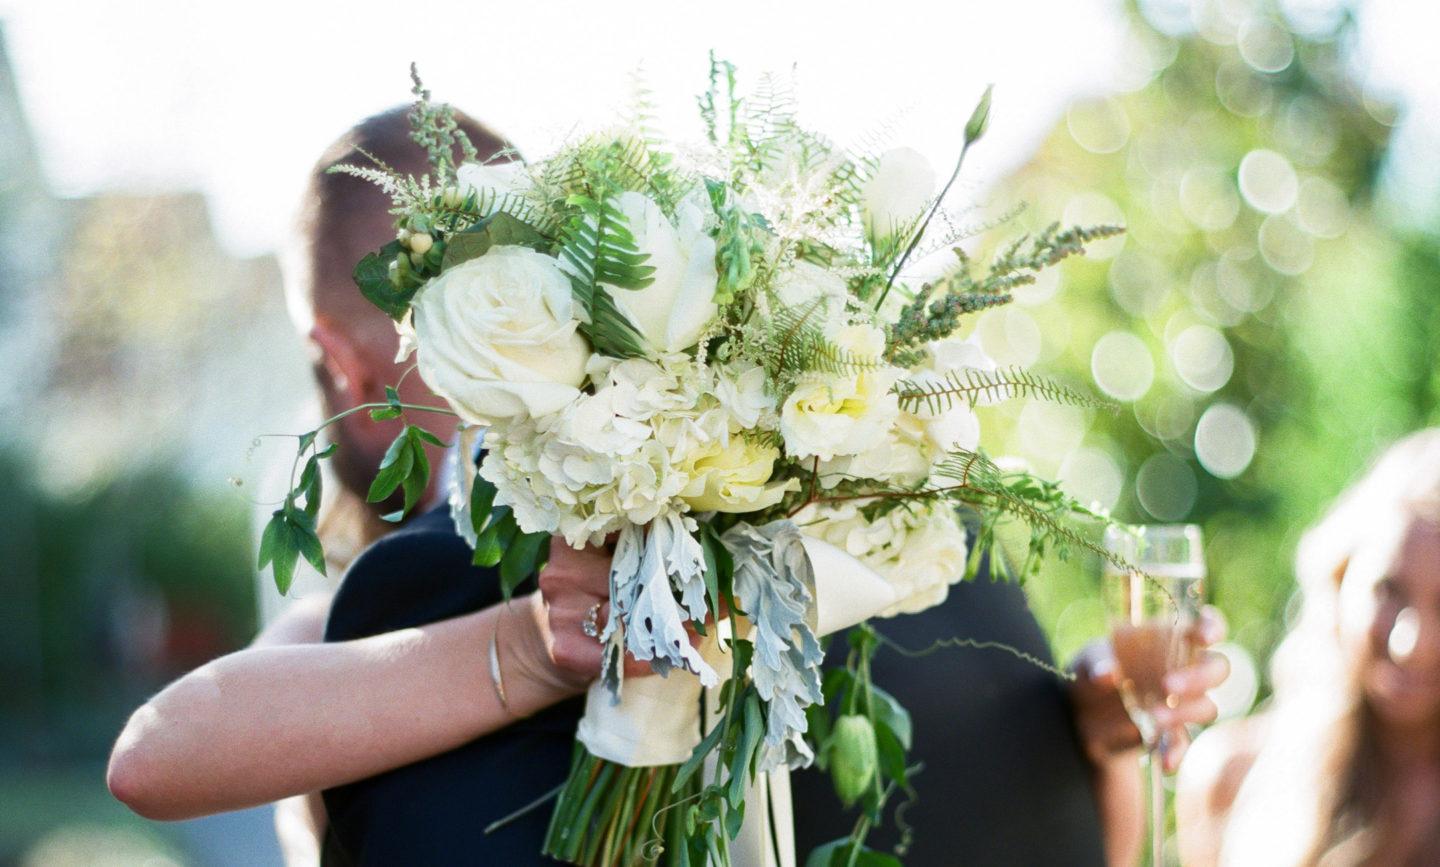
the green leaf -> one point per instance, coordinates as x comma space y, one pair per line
697, 758
307, 440
269, 540
518, 561
372, 275
498, 229
309, 544
753, 729
394, 468
385, 413
328, 451
430, 438
891, 754
285, 553
892, 715
482, 497
490, 547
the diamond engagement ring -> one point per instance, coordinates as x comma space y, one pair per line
591, 624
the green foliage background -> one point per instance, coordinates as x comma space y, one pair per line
1334, 334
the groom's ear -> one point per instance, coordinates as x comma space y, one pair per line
342, 366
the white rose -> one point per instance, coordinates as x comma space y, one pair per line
841, 414
673, 311
733, 477
496, 336
802, 283
897, 193
492, 183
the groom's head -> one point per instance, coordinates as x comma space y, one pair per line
341, 219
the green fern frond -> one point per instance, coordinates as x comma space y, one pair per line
796, 345
598, 251
1040, 504
973, 385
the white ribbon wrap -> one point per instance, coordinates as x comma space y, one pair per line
657, 720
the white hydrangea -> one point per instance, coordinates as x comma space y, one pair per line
658, 437
920, 550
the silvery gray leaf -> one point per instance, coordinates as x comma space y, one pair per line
624, 568
643, 602
775, 585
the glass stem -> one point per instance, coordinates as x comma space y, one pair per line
1157, 808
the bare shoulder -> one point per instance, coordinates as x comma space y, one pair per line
1210, 777
1218, 761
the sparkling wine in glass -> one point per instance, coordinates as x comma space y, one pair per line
1152, 609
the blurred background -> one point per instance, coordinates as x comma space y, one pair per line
1269, 320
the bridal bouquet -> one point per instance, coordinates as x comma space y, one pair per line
713, 359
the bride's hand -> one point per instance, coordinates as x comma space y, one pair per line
574, 592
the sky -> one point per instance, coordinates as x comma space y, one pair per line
237, 99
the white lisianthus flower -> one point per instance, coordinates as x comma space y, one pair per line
842, 414
805, 285
920, 551
492, 182
674, 310
897, 193
733, 477
497, 337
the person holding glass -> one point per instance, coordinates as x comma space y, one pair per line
1343, 767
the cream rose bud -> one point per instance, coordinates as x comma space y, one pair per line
733, 477
492, 182
897, 193
842, 414
804, 286
674, 310
496, 336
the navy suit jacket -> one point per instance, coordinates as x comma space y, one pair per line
1005, 782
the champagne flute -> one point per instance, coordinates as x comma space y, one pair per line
1151, 610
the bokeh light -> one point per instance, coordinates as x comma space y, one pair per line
1166, 487
1225, 440
1122, 365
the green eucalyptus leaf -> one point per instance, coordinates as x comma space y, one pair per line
498, 229
372, 275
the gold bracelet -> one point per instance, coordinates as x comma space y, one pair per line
495, 664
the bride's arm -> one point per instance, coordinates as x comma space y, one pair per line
269, 722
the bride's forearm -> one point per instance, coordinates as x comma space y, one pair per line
270, 722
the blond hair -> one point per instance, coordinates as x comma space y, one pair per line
1309, 797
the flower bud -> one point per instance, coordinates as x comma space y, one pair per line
854, 757
403, 236
421, 243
